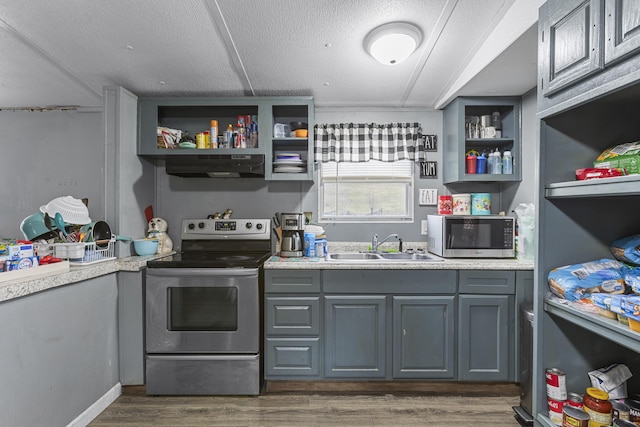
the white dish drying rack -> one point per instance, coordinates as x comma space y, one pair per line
80, 253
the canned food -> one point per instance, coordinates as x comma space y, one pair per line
574, 417
200, 140
575, 400
555, 410
634, 410
556, 384
620, 410
624, 423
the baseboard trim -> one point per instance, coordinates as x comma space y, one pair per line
98, 406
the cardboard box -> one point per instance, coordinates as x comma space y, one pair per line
14, 250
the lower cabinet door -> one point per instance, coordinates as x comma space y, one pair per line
292, 357
424, 337
484, 345
355, 333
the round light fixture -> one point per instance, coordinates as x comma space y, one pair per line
392, 43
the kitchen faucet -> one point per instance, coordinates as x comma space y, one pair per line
375, 243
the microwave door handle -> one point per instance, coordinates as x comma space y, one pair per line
449, 241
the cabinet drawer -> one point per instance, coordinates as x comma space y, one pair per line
299, 316
389, 281
292, 357
487, 282
292, 281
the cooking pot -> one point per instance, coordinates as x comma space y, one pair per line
100, 233
33, 228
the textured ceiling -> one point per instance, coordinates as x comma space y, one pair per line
62, 53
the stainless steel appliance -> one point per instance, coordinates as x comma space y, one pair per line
469, 236
203, 310
523, 411
292, 234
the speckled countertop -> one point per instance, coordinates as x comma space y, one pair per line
30, 285
22, 287
276, 262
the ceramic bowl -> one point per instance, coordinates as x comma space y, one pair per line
145, 247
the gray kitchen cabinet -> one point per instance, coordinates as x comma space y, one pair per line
571, 42
355, 336
583, 47
193, 114
486, 343
131, 327
459, 142
622, 29
578, 224
424, 336
292, 319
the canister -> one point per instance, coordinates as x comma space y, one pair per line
480, 204
321, 247
461, 204
445, 205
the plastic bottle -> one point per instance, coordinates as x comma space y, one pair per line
228, 136
241, 136
214, 134
507, 163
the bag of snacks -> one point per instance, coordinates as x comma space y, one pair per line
627, 249
577, 281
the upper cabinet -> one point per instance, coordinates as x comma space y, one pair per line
581, 43
477, 125
571, 41
287, 156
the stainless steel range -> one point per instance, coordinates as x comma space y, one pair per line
203, 309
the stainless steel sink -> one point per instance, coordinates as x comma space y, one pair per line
382, 257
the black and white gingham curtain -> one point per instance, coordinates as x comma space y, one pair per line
349, 142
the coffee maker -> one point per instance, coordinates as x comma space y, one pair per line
292, 234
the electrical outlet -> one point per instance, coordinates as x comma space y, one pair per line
423, 227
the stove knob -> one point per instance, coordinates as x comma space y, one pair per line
191, 226
201, 225
259, 226
249, 225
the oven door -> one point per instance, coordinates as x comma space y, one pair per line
208, 310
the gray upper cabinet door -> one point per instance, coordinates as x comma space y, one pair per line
484, 345
622, 28
424, 336
355, 329
570, 42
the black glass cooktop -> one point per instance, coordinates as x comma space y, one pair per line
211, 260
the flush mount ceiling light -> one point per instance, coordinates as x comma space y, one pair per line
392, 43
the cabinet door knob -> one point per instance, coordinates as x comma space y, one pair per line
404, 332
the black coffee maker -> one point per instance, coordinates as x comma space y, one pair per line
292, 225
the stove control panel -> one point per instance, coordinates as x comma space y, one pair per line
253, 229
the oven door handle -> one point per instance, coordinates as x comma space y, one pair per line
182, 272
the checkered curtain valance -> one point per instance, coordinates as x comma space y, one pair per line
356, 143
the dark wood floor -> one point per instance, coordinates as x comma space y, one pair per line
323, 404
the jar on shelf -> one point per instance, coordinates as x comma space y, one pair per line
596, 404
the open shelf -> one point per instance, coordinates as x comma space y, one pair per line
615, 186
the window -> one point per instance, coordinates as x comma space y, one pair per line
372, 191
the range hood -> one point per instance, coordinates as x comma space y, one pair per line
216, 166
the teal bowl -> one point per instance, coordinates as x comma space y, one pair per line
144, 247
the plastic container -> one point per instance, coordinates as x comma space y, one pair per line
471, 164
309, 245
507, 163
481, 164
480, 204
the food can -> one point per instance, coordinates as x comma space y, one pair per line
207, 139
574, 417
620, 410
623, 423
200, 141
445, 205
555, 410
556, 384
634, 410
575, 400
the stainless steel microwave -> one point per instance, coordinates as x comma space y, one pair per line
471, 236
